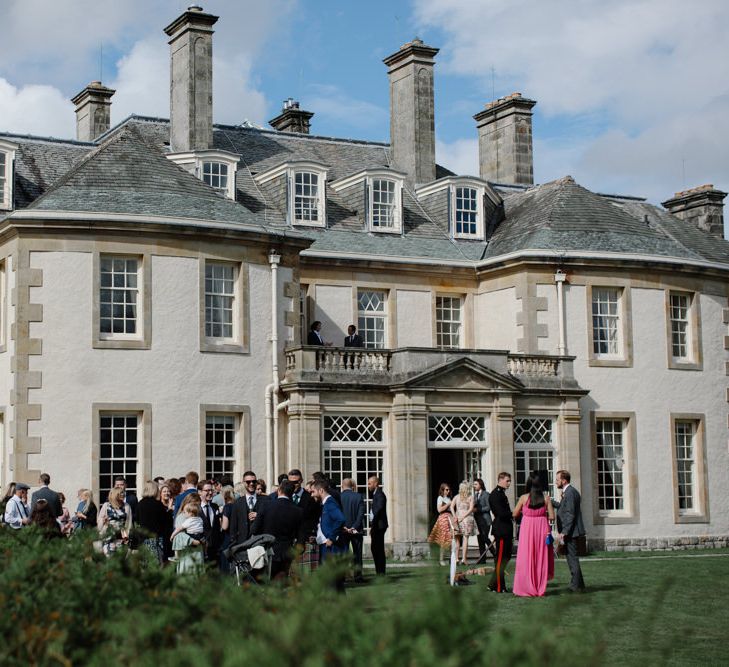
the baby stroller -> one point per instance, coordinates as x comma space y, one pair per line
254, 554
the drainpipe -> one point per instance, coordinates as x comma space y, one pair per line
274, 260
560, 277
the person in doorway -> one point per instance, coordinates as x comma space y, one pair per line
442, 533
465, 524
378, 523
503, 531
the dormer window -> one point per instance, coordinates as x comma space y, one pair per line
215, 168
7, 159
215, 174
383, 197
305, 186
464, 196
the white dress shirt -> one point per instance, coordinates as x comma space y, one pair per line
15, 511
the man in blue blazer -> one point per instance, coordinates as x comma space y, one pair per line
331, 523
354, 511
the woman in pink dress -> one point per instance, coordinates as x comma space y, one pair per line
535, 554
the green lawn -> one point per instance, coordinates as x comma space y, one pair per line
647, 608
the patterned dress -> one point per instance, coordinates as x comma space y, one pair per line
442, 534
466, 525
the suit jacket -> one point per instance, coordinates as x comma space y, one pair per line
282, 519
482, 508
313, 339
51, 497
211, 532
503, 525
569, 513
131, 500
311, 510
354, 509
379, 511
354, 341
240, 527
332, 521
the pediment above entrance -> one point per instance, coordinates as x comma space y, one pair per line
463, 374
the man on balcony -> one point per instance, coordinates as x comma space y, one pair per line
353, 339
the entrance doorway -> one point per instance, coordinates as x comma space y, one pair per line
451, 466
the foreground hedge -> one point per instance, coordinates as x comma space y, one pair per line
63, 604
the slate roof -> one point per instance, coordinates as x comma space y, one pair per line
128, 173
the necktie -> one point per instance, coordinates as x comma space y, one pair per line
250, 503
210, 514
297, 497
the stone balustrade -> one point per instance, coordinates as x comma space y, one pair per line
539, 365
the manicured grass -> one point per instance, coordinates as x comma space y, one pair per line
660, 608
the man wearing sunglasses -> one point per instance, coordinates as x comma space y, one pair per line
245, 510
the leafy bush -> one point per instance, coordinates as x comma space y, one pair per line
64, 604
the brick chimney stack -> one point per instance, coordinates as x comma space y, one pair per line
93, 111
505, 140
191, 80
292, 118
703, 207
412, 112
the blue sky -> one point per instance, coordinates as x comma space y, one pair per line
633, 95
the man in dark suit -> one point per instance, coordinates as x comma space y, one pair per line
503, 531
211, 520
354, 511
482, 514
378, 523
129, 497
282, 519
245, 510
47, 494
570, 526
309, 507
331, 523
314, 337
353, 339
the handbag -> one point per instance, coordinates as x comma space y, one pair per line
550, 539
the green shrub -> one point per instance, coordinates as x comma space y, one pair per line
64, 604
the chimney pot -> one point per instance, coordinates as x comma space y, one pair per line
505, 140
292, 118
93, 111
702, 206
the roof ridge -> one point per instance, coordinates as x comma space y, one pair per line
50, 140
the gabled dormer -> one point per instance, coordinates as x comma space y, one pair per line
466, 201
7, 164
213, 167
382, 194
299, 187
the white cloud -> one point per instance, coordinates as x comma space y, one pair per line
334, 103
56, 44
460, 156
654, 72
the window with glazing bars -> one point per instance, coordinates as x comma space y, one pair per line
383, 203
533, 450
466, 211
306, 196
448, 321
684, 435
118, 451
610, 446
3, 177
680, 305
118, 295
219, 445
215, 174
605, 320
219, 299
372, 317
456, 429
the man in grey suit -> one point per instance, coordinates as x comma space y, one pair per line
570, 526
482, 514
47, 494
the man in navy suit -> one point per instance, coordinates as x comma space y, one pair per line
331, 523
378, 523
353, 339
314, 337
354, 511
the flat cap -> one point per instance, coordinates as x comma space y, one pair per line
21, 487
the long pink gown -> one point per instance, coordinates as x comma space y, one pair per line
534, 558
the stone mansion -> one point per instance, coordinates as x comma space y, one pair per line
158, 279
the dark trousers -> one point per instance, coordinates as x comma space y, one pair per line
483, 533
329, 555
503, 556
377, 546
573, 562
355, 541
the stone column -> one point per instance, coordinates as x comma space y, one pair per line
303, 449
568, 430
502, 442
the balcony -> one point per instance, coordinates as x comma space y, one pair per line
371, 368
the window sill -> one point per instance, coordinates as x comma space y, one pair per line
691, 518
675, 364
308, 223
614, 519
607, 362
121, 343
385, 230
210, 345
